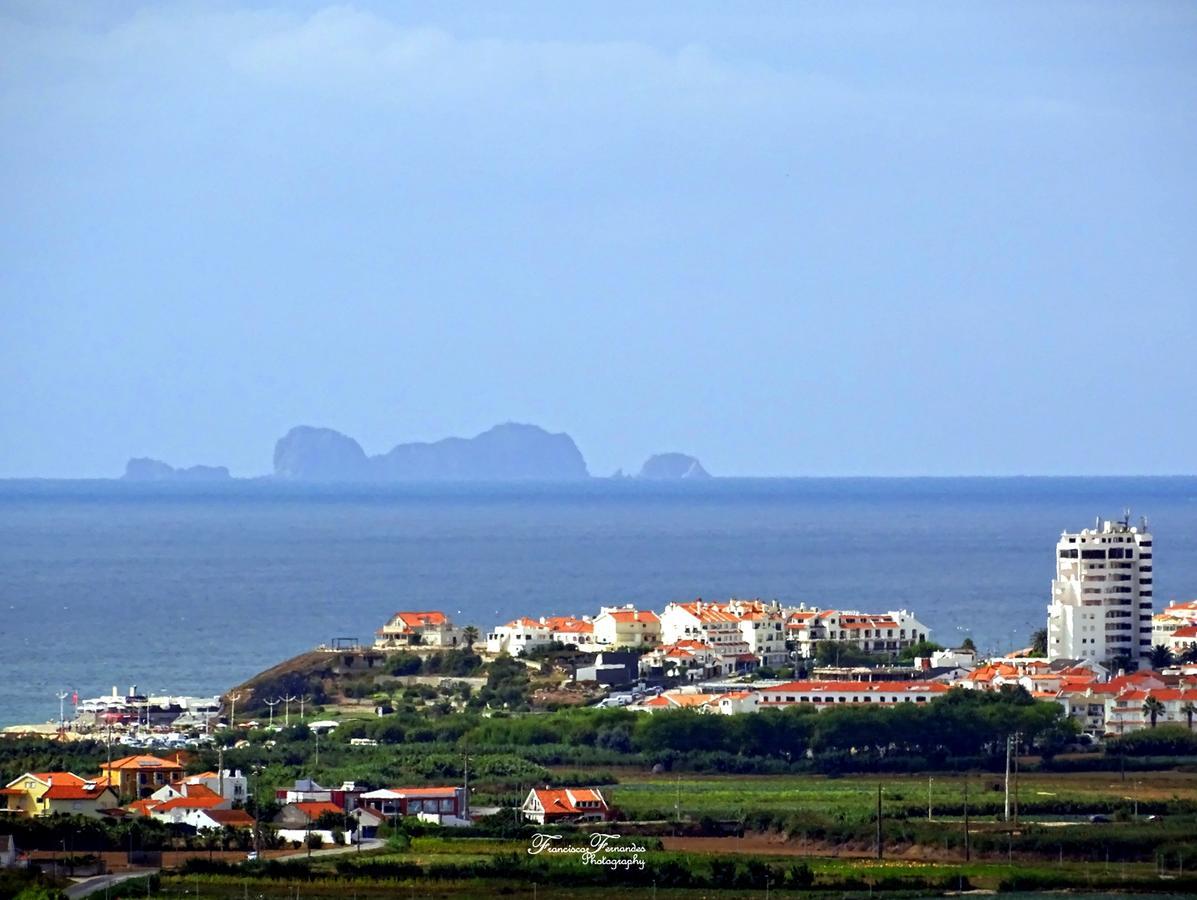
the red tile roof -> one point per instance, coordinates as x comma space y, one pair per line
231, 818
417, 619
86, 791
314, 809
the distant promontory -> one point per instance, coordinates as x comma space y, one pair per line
508, 452
146, 469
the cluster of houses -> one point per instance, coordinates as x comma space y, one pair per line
1176, 628
137, 785
1102, 703
697, 639
158, 788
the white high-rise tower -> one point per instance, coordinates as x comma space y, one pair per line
1101, 595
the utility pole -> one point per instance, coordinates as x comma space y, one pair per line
1009, 743
62, 695
302, 700
967, 847
220, 770
929, 779
287, 710
1017, 742
466, 787
233, 698
272, 704
880, 848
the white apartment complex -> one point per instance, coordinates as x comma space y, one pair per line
890, 632
1101, 595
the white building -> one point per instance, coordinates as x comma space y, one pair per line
890, 632
713, 624
1177, 616
1101, 595
518, 636
417, 629
626, 626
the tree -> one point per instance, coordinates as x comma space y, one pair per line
1039, 642
1161, 656
1190, 654
967, 644
470, 633
1189, 711
1152, 708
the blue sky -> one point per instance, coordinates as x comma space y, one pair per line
791, 238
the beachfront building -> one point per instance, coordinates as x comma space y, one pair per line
549, 807
626, 626
730, 704
738, 627
1179, 617
518, 636
570, 631
47, 793
886, 633
1102, 594
431, 628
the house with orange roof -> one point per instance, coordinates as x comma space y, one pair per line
567, 805
176, 810
571, 631
429, 628
135, 777
305, 814
626, 626
49, 793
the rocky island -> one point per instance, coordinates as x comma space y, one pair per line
670, 466
508, 452
145, 469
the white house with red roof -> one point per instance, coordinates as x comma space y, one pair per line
523, 634
548, 807
430, 628
518, 637
626, 626
890, 632
694, 660
739, 627
827, 693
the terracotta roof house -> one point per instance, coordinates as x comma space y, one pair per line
545, 806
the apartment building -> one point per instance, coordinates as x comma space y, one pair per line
1101, 601
890, 632
626, 626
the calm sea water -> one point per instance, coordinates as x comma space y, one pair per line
193, 589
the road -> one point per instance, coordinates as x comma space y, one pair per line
374, 844
89, 886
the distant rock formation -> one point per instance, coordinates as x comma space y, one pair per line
319, 454
509, 452
664, 466
146, 469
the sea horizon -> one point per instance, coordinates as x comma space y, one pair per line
192, 588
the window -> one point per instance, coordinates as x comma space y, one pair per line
1093, 554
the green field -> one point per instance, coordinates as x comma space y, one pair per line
854, 799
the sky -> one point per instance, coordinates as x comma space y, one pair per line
789, 238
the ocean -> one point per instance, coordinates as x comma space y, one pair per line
194, 588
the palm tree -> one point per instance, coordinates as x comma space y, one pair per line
470, 634
1189, 711
1161, 656
1152, 708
